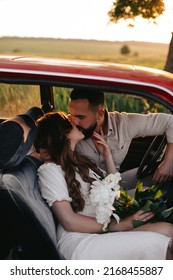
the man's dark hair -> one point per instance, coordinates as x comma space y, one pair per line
94, 96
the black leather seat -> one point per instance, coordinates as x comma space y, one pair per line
28, 229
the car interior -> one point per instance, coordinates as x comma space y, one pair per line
28, 228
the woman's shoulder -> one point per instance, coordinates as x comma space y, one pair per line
50, 166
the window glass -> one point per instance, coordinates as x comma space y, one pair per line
17, 99
133, 104
114, 102
61, 98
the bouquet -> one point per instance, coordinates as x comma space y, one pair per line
111, 200
102, 196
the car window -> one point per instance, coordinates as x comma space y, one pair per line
61, 98
17, 99
134, 104
120, 102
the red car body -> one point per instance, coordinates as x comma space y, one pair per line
157, 83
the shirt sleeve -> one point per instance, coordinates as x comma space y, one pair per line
151, 124
52, 183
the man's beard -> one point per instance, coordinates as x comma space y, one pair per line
88, 131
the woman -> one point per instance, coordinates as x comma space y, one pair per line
65, 181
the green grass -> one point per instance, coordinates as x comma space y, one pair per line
141, 53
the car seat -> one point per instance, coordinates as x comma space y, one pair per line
28, 229
27, 225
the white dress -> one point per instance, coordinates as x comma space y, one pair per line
126, 245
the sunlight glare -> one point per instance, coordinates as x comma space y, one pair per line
79, 19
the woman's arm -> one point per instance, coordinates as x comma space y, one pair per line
75, 222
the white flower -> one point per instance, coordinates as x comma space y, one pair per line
102, 196
112, 180
103, 214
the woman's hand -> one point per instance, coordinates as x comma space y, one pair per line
103, 149
101, 144
126, 223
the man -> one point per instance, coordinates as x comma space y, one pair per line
88, 113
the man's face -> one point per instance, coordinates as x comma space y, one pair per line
83, 116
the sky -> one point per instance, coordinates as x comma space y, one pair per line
77, 19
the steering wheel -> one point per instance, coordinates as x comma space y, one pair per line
153, 157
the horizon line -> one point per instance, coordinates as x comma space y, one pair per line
76, 39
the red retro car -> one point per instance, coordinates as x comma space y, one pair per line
28, 229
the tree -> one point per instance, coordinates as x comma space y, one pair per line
125, 50
130, 9
169, 60
147, 9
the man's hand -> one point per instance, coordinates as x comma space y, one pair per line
44, 155
164, 171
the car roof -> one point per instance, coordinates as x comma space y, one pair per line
99, 72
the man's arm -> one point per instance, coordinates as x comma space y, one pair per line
164, 171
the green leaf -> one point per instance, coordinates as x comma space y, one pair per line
146, 199
139, 186
158, 194
135, 203
157, 206
147, 206
137, 223
125, 196
167, 212
138, 189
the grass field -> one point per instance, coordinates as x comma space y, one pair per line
141, 53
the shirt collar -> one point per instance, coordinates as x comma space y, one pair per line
109, 123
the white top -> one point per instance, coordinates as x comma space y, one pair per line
75, 245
